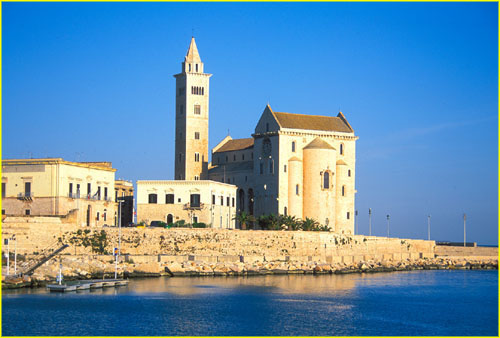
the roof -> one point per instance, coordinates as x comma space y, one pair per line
313, 122
192, 53
236, 144
57, 160
232, 167
318, 143
295, 158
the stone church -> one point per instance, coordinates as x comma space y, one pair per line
293, 164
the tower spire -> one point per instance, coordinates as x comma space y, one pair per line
192, 53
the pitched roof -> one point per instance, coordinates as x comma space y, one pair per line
318, 143
313, 122
236, 144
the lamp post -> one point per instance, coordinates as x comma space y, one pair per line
465, 219
355, 222
388, 224
369, 221
429, 227
119, 226
8, 254
15, 254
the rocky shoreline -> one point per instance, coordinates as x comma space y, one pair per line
78, 268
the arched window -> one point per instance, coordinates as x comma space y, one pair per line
341, 149
326, 180
170, 219
349, 172
343, 190
267, 126
293, 146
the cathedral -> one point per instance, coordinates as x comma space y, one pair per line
293, 164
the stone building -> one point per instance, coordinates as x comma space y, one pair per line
208, 202
124, 191
294, 164
55, 187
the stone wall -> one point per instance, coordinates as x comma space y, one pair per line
460, 251
34, 234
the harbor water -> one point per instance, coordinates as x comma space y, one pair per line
413, 303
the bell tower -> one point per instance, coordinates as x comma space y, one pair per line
191, 118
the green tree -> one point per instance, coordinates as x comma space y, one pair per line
310, 224
244, 218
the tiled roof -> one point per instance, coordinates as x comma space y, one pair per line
313, 122
236, 144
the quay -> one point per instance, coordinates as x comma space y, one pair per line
87, 285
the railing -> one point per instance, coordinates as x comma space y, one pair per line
74, 195
29, 266
25, 195
188, 206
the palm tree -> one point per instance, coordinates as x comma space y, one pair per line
310, 224
243, 218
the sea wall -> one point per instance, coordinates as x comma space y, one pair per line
460, 251
212, 245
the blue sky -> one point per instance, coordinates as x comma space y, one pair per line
417, 81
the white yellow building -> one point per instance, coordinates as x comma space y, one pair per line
208, 202
294, 164
55, 187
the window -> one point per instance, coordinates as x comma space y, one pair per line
105, 193
252, 156
271, 166
197, 157
267, 126
180, 157
293, 146
152, 198
99, 193
170, 219
116, 195
178, 200
196, 178
232, 202
196, 135
27, 212
27, 188
246, 178
189, 67
326, 180
228, 180
349, 172
195, 219
3, 211
78, 190
195, 200
197, 68
197, 109
169, 199
284, 168
104, 215
97, 218
181, 109
296, 189
227, 159
343, 190
71, 188
341, 149
3, 189
234, 157
262, 168
227, 201
222, 200
348, 215
213, 199
89, 189
202, 90
285, 211
243, 157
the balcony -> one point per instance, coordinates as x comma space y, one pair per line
25, 196
74, 195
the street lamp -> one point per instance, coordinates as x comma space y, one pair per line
429, 227
465, 218
369, 221
355, 222
388, 224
